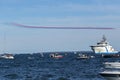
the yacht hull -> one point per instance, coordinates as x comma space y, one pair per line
111, 75
112, 78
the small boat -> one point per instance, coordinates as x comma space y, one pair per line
7, 56
112, 65
103, 47
56, 56
110, 75
83, 56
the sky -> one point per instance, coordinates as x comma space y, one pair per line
66, 13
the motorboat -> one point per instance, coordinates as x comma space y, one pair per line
83, 56
110, 75
7, 56
56, 56
103, 47
112, 71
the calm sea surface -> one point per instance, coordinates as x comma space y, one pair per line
43, 67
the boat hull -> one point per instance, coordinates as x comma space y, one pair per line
112, 78
111, 75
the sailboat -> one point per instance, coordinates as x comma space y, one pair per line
6, 55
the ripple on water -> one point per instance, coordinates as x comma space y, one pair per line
12, 76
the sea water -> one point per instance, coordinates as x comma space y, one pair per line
43, 67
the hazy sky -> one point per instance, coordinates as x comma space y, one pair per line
67, 13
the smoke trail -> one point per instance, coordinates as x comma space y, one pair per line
44, 27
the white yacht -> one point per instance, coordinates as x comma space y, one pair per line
103, 47
111, 75
112, 71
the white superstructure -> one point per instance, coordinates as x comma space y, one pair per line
112, 65
103, 47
